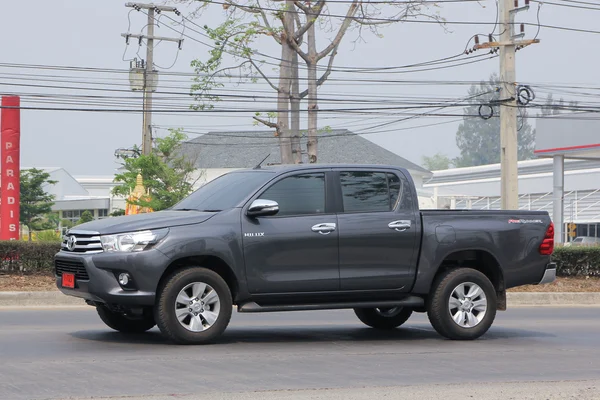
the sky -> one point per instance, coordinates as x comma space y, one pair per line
82, 33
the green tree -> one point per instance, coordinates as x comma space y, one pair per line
167, 172
86, 216
117, 213
437, 162
479, 139
67, 223
35, 202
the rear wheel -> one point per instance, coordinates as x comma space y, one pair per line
125, 323
462, 305
383, 318
194, 306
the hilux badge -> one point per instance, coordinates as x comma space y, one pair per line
254, 234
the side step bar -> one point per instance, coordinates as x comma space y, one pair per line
410, 301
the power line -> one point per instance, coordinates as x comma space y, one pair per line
335, 69
446, 22
581, 7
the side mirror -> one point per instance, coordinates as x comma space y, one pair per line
262, 208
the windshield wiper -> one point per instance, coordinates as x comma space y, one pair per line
212, 210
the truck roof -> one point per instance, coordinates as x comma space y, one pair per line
296, 167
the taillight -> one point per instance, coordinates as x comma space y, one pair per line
547, 246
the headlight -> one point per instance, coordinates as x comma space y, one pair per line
133, 241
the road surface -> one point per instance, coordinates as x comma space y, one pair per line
543, 352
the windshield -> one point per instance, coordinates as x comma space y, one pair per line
224, 192
578, 240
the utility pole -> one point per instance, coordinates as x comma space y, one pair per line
508, 111
150, 78
509, 181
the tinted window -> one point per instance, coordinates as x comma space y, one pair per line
365, 191
400, 194
395, 188
375, 191
226, 191
298, 194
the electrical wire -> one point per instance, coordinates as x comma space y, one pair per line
538, 21
446, 22
581, 7
128, 28
178, 49
337, 69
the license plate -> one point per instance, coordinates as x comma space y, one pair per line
68, 280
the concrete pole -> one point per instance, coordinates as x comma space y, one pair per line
150, 80
558, 194
508, 110
147, 132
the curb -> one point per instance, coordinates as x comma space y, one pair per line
552, 299
38, 299
57, 299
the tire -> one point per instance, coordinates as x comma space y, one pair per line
467, 318
123, 323
383, 318
206, 318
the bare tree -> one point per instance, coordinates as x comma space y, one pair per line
288, 22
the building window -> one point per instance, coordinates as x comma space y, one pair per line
102, 213
74, 215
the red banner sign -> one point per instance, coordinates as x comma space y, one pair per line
10, 132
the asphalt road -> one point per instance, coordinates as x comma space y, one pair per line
532, 353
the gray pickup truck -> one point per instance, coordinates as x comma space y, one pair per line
304, 237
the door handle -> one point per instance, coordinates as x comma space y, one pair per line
324, 228
400, 226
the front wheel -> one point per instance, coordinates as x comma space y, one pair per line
194, 306
124, 323
462, 305
383, 318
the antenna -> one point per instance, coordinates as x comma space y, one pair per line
263, 160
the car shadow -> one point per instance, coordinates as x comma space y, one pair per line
302, 334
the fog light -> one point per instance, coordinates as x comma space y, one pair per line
124, 279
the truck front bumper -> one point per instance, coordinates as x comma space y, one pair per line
96, 276
549, 274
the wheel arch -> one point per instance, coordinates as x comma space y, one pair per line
479, 260
211, 262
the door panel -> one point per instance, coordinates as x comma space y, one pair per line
291, 257
378, 247
297, 249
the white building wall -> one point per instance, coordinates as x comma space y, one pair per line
479, 188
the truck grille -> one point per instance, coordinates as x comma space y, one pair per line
73, 267
79, 242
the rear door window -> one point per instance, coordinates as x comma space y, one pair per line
371, 191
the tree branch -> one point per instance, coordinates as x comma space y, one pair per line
302, 6
338, 38
266, 21
311, 17
227, 69
298, 23
263, 75
267, 123
252, 10
325, 75
297, 48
